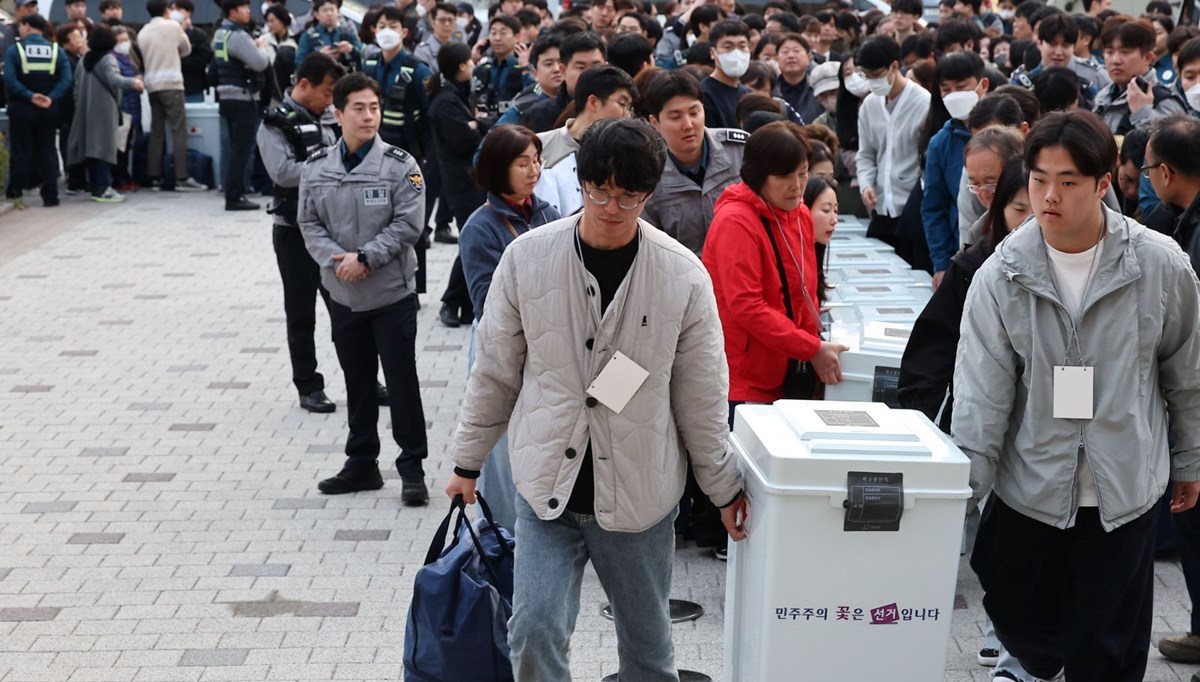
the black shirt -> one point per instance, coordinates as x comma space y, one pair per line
609, 268
802, 99
720, 103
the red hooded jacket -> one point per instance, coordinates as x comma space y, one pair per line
759, 337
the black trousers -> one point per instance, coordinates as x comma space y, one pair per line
242, 119
34, 153
364, 340
301, 283
1080, 599
1187, 541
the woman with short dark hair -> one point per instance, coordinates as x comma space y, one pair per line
508, 168
760, 254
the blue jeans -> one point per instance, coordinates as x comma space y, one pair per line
495, 481
635, 571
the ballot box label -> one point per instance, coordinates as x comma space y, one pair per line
874, 501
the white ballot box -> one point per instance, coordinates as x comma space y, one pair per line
871, 293
839, 258
849, 570
871, 368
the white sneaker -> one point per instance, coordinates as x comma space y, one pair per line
110, 196
988, 657
190, 185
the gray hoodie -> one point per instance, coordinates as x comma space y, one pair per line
1139, 328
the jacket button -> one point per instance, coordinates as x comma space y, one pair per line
590, 402
591, 290
553, 503
570, 453
590, 343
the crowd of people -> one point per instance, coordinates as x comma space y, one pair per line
679, 169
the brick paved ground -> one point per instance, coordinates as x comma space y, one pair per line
158, 511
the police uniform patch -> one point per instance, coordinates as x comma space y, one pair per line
375, 196
417, 182
735, 135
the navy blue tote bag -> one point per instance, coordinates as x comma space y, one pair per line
462, 599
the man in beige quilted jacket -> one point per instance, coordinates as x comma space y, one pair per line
601, 354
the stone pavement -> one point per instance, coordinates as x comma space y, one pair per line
158, 509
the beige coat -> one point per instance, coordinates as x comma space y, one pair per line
533, 365
163, 42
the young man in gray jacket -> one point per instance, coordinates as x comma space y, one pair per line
1080, 337
362, 208
601, 353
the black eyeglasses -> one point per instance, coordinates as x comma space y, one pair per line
1149, 167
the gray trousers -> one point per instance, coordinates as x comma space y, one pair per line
167, 107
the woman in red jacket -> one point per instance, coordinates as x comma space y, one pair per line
759, 252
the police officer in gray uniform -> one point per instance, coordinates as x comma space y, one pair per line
701, 162
238, 65
301, 126
362, 208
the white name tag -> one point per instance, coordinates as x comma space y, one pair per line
39, 51
375, 196
617, 382
1073, 392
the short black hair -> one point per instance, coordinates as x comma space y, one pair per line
957, 32
976, 5
528, 17
1133, 147
630, 52
580, 42
502, 145
185, 5
1189, 53
1135, 34
317, 66
754, 22
826, 17
278, 11
957, 66
1176, 142
1002, 109
919, 44
699, 54
156, 8
509, 21
1057, 88
877, 52
229, 6
444, 7
790, 22
106, 5
1179, 37
794, 38
777, 148
1087, 26
704, 14
1027, 9
451, 57
351, 83
37, 22
722, 29
1031, 108
909, 7
550, 41
1042, 14
1084, 136
626, 152
1056, 26
665, 86
1161, 7
602, 81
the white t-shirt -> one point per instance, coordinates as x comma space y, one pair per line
1071, 274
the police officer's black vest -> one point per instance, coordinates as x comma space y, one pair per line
398, 125
39, 65
303, 133
231, 70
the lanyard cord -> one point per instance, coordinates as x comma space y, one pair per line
1087, 285
803, 284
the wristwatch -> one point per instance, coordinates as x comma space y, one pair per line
362, 258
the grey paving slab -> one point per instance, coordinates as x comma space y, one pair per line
230, 569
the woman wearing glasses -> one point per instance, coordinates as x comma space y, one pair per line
759, 252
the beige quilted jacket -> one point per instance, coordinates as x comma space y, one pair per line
533, 365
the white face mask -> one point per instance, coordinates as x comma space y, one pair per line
1193, 97
959, 104
420, 10
879, 87
177, 16
857, 85
461, 23
1007, 14
734, 62
387, 38
123, 48
264, 7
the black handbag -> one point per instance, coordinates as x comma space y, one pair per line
800, 382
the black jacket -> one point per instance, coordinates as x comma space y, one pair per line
540, 117
454, 141
1187, 232
195, 64
927, 369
